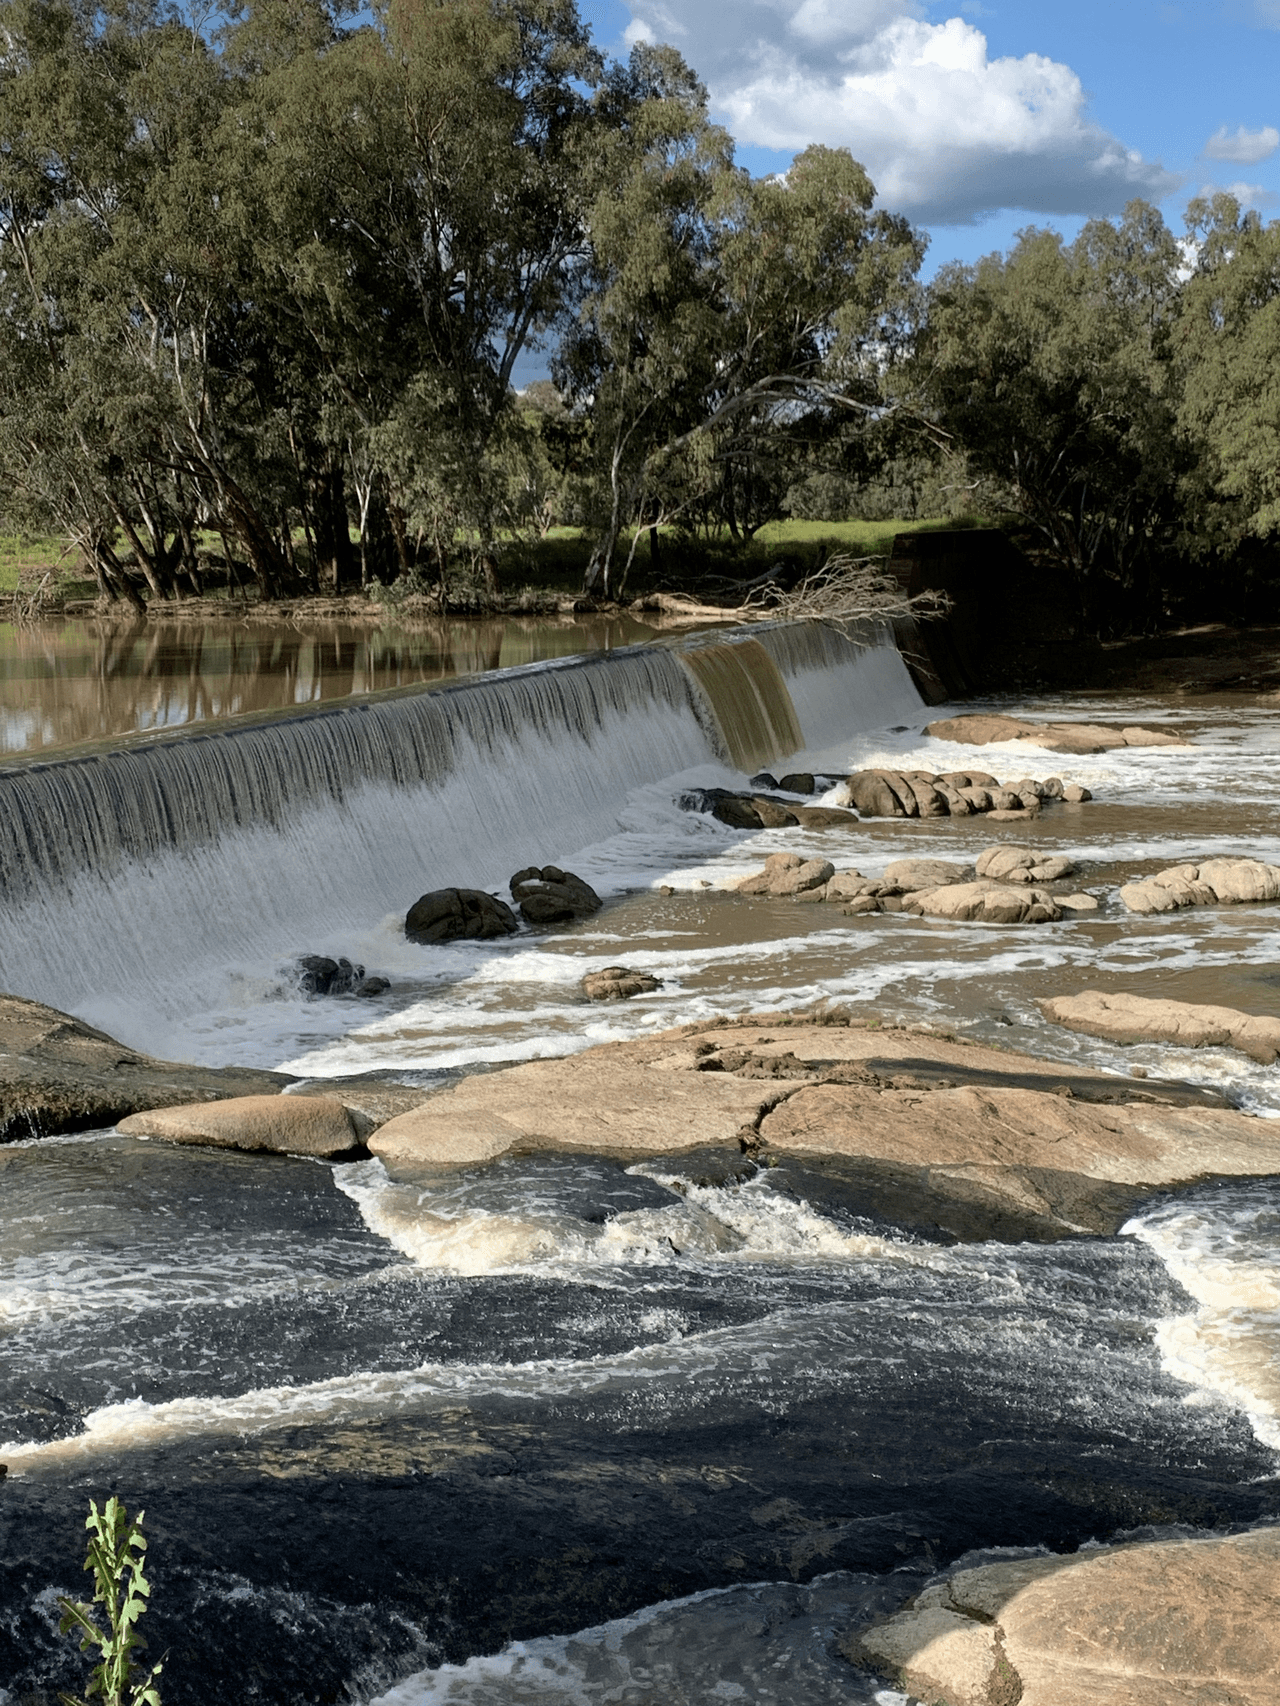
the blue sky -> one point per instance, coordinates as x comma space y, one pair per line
980, 117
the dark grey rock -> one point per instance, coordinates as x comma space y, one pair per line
450, 915
548, 895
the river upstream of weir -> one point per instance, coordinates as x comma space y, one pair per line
676, 1426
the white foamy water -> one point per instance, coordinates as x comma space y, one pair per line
451, 1227
770, 1643
1224, 1250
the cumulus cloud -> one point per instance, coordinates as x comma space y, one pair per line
946, 132
1244, 147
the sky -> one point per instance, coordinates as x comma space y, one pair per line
976, 118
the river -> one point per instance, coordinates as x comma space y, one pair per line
558, 1430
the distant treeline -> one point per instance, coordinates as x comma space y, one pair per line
266, 273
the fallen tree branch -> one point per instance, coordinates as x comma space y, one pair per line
843, 592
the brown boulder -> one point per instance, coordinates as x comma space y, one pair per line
1176, 1621
1010, 864
618, 983
1230, 882
1137, 1019
450, 915
986, 902
283, 1125
552, 896
910, 874
870, 792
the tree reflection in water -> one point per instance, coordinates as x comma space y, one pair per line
68, 680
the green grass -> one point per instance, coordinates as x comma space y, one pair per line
21, 551
558, 562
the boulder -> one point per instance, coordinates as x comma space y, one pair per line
1231, 882
284, 1125
1074, 794
449, 915
798, 782
848, 886
58, 1074
823, 817
548, 895
318, 975
925, 873
871, 793
812, 874
1138, 1019
372, 986
1077, 902
1156, 1624
986, 902
618, 983
1011, 864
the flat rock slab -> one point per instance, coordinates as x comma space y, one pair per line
1181, 1621
283, 1125
58, 1074
1139, 1019
984, 730
1027, 1140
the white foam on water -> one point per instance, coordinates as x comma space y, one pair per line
1224, 1250
443, 1228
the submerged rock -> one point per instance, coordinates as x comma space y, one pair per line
548, 895
450, 915
983, 729
618, 983
1144, 1625
318, 975
58, 1074
1138, 1019
910, 874
1230, 882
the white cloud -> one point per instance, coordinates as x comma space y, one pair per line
1245, 147
1248, 195
1267, 13
946, 132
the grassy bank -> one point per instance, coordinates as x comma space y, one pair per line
557, 562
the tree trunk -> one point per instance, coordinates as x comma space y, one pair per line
336, 562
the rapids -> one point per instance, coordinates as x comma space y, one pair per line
667, 1430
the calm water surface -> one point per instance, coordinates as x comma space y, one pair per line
65, 680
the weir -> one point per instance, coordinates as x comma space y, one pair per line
157, 864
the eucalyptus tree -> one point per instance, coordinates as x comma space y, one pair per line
1229, 347
724, 323
1052, 369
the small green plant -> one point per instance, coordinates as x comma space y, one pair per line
115, 1557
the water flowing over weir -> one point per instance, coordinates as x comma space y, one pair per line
162, 862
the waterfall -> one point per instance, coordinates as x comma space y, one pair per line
156, 863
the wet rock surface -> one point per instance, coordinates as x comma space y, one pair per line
548, 895
58, 1074
618, 983
450, 915
320, 975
